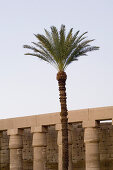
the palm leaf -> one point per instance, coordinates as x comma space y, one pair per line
59, 49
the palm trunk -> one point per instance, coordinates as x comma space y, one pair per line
61, 77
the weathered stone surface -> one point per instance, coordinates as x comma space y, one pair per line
78, 146
78, 151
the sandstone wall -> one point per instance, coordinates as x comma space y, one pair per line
78, 153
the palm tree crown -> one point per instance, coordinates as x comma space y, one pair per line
60, 49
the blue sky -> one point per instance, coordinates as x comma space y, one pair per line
28, 86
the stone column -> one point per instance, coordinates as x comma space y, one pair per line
59, 143
39, 147
15, 146
70, 146
91, 140
1, 135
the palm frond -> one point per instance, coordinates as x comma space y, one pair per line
45, 42
62, 40
91, 48
43, 50
59, 49
48, 36
36, 51
56, 41
77, 53
69, 36
38, 55
71, 44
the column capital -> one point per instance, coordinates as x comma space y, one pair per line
15, 140
70, 127
39, 129
14, 132
112, 121
58, 127
90, 124
1, 134
91, 135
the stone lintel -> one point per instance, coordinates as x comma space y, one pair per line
39, 129
90, 124
14, 131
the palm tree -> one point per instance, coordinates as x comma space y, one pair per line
60, 50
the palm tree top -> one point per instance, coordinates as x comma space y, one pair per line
59, 49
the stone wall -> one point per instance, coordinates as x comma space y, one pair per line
27, 150
4, 151
106, 146
78, 152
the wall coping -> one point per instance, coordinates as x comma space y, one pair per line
92, 114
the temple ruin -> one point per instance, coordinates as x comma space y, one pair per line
35, 143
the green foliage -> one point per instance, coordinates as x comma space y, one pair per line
59, 49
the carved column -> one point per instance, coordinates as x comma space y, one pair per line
59, 143
39, 147
91, 140
15, 146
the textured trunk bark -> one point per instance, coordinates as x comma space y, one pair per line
61, 77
